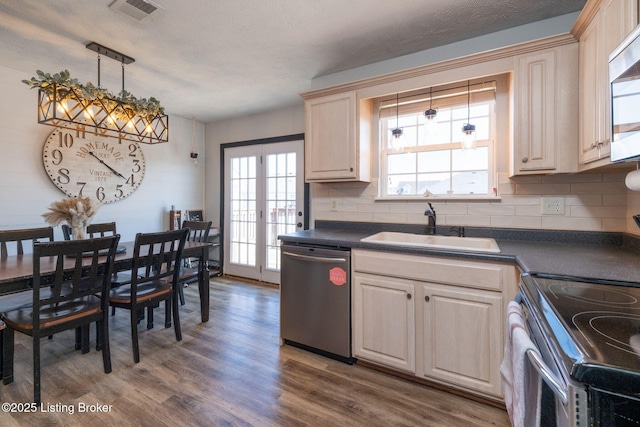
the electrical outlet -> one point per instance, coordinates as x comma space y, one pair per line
553, 206
334, 205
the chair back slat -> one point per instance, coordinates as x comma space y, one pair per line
10, 239
90, 274
101, 230
198, 230
156, 256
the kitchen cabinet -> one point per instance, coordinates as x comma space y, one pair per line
462, 336
439, 318
546, 120
601, 26
384, 313
337, 138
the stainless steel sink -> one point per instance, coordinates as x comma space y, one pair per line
473, 244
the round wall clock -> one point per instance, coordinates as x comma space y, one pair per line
105, 169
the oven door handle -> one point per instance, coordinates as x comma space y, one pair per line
547, 376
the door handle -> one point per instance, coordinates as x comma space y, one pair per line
314, 258
548, 377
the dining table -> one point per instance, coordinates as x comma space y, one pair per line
16, 271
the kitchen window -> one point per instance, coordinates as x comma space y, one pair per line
429, 160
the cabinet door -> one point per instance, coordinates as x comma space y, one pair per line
462, 337
590, 93
535, 112
384, 321
613, 22
546, 111
330, 139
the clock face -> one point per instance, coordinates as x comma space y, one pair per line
105, 169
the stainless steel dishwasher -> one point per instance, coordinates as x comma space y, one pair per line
315, 300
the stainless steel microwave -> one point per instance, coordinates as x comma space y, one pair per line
624, 76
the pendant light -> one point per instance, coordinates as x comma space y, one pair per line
431, 122
64, 102
397, 132
194, 146
468, 130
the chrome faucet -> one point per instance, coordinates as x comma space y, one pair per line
431, 213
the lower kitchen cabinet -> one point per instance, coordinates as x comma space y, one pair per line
438, 318
462, 337
384, 321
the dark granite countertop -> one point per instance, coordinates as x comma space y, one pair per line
580, 254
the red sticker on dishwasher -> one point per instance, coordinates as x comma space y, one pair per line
337, 276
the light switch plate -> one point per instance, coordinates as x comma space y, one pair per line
553, 206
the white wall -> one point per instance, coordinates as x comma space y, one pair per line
594, 201
536, 30
282, 122
26, 191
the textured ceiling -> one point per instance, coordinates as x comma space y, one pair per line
226, 58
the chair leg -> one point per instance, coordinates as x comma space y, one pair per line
98, 337
150, 317
36, 369
181, 293
103, 331
78, 345
167, 313
134, 335
7, 356
176, 319
85, 339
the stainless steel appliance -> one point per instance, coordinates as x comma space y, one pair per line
315, 300
588, 337
624, 75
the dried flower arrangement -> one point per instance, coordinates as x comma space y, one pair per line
77, 212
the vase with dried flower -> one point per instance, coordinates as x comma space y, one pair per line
76, 212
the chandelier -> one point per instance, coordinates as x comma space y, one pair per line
63, 102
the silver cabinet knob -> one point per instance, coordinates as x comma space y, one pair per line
525, 159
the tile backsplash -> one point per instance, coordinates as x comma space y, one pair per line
593, 202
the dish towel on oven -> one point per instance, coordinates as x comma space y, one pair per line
520, 380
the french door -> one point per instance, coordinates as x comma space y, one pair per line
263, 197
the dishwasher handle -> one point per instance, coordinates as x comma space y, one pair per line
547, 376
314, 258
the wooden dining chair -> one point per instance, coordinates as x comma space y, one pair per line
13, 242
71, 281
105, 229
198, 232
93, 230
156, 259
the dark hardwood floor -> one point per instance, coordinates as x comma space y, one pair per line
230, 371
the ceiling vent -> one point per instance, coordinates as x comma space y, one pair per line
137, 9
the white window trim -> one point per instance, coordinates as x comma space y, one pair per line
492, 166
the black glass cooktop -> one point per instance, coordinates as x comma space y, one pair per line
595, 325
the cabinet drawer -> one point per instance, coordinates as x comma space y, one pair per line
474, 274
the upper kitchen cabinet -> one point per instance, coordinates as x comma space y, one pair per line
601, 26
337, 138
545, 125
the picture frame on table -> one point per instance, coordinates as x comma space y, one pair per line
195, 215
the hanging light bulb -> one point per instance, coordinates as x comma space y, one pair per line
89, 112
431, 122
396, 133
468, 130
63, 107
